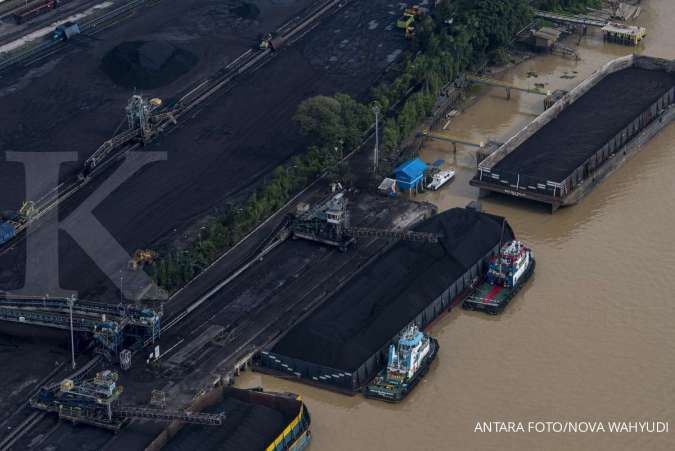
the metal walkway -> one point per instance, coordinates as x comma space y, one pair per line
452, 140
571, 19
505, 85
108, 324
406, 235
207, 419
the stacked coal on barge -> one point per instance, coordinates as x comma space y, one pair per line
253, 420
344, 344
584, 136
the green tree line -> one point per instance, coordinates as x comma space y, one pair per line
458, 34
330, 125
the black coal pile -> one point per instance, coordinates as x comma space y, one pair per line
246, 11
147, 64
246, 426
389, 293
581, 129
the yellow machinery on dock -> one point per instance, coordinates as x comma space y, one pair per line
624, 34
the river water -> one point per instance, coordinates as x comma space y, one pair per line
590, 338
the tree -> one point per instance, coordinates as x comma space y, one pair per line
320, 120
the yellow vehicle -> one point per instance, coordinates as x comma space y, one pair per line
142, 257
405, 21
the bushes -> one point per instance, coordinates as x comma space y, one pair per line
565, 5
330, 123
460, 33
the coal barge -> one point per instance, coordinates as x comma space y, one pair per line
253, 420
584, 136
343, 345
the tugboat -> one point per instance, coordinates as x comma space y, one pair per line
441, 178
508, 271
407, 362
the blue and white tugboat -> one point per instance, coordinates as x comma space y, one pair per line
407, 362
509, 270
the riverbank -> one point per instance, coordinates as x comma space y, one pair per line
586, 339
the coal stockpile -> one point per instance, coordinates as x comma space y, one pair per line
392, 291
581, 129
147, 64
246, 11
247, 425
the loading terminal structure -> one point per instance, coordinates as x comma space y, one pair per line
342, 345
584, 136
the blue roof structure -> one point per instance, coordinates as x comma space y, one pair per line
409, 174
7, 231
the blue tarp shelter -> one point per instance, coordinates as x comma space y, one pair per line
410, 174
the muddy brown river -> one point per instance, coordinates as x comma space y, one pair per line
590, 338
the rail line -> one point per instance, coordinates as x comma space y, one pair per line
35, 417
249, 60
87, 28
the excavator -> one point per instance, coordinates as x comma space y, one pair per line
141, 258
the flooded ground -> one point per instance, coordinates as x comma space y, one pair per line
591, 336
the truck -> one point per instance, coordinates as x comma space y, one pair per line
66, 31
7, 232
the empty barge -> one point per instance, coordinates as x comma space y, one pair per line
584, 136
344, 344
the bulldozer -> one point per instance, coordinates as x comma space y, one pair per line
142, 257
407, 20
264, 41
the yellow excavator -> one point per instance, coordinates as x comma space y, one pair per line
407, 20
142, 257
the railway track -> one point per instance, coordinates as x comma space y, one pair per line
88, 28
247, 62
33, 418
250, 60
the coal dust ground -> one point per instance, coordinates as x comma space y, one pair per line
216, 155
246, 10
147, 65
580, 130
389, 293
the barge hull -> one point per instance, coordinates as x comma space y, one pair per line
344, 343
536, 165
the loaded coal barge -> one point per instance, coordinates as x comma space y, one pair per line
585, 135
407, 362
509, 270
253, 420
344, 344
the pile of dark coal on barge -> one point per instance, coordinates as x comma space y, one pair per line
343, 345
252, 420
584, 136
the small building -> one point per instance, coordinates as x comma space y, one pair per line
410, 175
387, 187
624, 34
545, 38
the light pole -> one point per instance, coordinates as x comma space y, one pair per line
376, 151
71, 302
